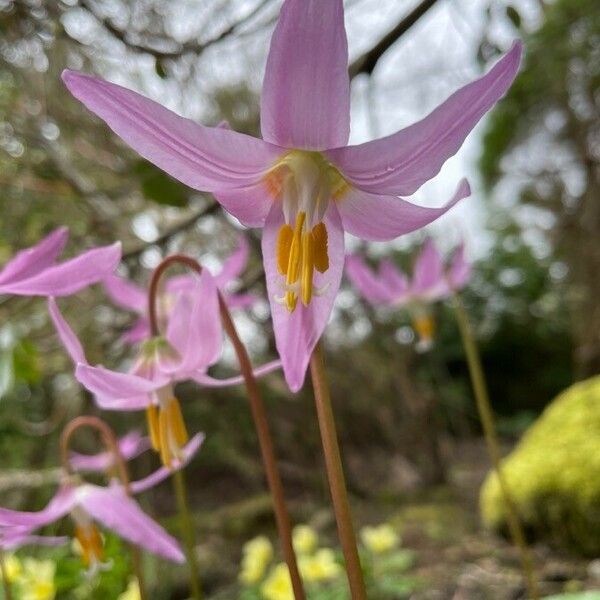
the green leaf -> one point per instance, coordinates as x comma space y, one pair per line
159, 187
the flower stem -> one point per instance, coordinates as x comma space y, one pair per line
335, 475
187, 532
486, 416
5, 582
259, 415
110, 441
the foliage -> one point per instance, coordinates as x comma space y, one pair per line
553, 473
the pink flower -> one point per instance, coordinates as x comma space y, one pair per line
302, 183
88, 504
132, 297
430, 282
34, 272
192, 342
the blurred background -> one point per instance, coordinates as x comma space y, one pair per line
407, 420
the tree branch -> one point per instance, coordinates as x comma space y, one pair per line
367, 62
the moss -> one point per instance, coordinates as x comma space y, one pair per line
554, 473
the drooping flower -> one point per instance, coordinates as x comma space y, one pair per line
132, 297
191, 343
379, 539
430, 283
110, 506
34, 272
302, 182
131, 445
257, 554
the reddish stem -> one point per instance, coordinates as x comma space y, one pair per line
257, 407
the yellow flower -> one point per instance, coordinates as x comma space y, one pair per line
320, 567
36, 581
278, 585
132, 592
380, 539
305, 539
257, 555
12, 566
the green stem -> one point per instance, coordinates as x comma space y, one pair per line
187, 532
489, 430
335, 475
5, 582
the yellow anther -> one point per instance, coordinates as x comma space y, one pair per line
90, 540
307, 267
284, 245
152, 419
166, 456
424, 325
170, 430
293, 270
177, 423
320, 256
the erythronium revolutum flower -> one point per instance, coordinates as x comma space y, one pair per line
191, 343
34, 272
109, 506
301, 182
430, 282
135, 298
130, 445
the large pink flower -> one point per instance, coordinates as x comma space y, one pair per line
301, 182
430, 282
135, 298
34, 272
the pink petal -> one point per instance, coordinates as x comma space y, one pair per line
14, 538
68, 277
460, 269
428, 275
180, 283
205, 158
394, 279
305, 100
194, 327
206, 380
35, 259
240, 300
249, 204
366, 282
131, 445
126, 294
235, 264
163, 473
296, 334
400, 163
116, 511
381, 218
138, 332
67, 336
118, 391
62, 503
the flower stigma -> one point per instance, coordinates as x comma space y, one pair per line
305, 182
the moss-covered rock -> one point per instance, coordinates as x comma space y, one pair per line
554, 473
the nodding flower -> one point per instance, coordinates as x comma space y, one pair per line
191, 343
130, 296
430, 282
91, 505
302, 182
35, 272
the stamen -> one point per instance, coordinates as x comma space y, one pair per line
177, 423
90, 540
307, 267
165, 447
152, 419
321, 258
284, 245
172, 432
424, 325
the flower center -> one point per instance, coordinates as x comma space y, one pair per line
168, 433
304, 182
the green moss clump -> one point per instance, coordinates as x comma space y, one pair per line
554, 473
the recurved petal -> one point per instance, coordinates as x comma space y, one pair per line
68, 277
394, 279
365, 281
460, 269
235, 264
60, 505
13, 538
163, 473
125, 294
116, 511
203, 379
305, 100
194, 327
67, 336
205, 158
377, 217
35, 259
297, 333
400, 163
428, 274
